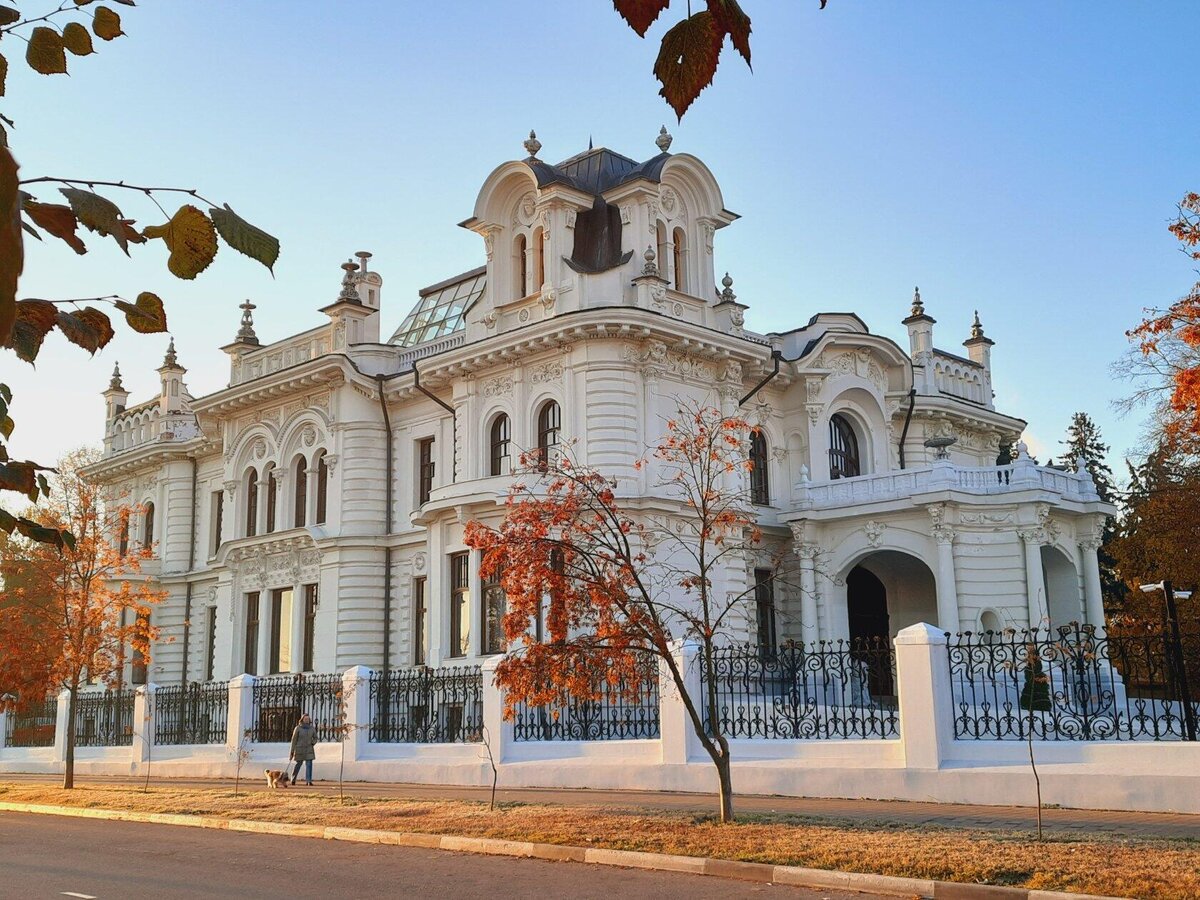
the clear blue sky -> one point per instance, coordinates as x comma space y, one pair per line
1022, 159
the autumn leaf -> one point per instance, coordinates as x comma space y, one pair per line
106, 24
12, 252
34, 320
8, 15
45, 52
57, 220
87, 328
246, 238
98, 214
145, 315
640, 14
688, 60
731, 20
76, 39
3, 73
190, 237
20, 477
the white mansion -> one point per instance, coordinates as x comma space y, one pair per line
309, 516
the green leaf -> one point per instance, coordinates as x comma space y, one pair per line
640, 14
98, 214
76, 39
246, 238
145, 315
687, 60
731, 20
190, 237
12, 244
8, 15
45, 52
106, 24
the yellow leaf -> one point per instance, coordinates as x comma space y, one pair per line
45, 52
191, 238
145, 315
106, 23
688, 59
76, 39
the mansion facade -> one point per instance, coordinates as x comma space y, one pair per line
309, 516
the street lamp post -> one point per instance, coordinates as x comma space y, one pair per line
1185, 694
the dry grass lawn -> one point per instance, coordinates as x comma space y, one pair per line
1109, 866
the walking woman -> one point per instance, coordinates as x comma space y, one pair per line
304, 748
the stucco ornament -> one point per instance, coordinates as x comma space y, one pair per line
874, 531
546, 372
499, 386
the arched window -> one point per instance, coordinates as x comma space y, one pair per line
123, 538
760, 487
148, 527
322, 489
843, 449
251, 503
679, 260
520, 266
272, 497
300, 497
539, 258
549, 425
500, 440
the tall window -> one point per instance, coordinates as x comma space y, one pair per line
760, 486
251, 503
520, 266
123, 537
426, 466
493, 604
764, 603
539, 258
218, 520
148, 527
250, 663
272, 497
281, 630
420, 641
322, 489
843, 449
500, 440
210, 644
310, 626
549, 426
137, 673
460, 603
300, 495
679, 260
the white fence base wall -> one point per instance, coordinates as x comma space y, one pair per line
924, 764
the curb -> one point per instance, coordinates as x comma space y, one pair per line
765, 873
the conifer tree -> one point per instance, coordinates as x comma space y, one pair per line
1085, 442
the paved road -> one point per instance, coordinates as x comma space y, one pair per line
864, 812
52, 857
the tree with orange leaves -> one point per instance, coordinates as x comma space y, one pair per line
73, 614
617, 587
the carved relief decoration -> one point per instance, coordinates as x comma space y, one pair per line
500, 386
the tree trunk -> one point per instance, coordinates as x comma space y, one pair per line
726, 780
69, 760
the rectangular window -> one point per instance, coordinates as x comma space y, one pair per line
460, 603
764, 602
420, 646
218, 520
250, 664
281, 630
493, 605
252, 505
138, 669
210, 644
272, 499
425, 469
310, 625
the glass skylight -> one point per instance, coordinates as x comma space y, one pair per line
440, 311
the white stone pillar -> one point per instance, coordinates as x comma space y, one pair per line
260, 515
229, 513
1092, 591
240, 716
810, 627
310, 497
266, 623
3, 729
1035, 582
678, 734
60, 727
926, 704
356, 704
143, 724
497, 732
947, 590
296, 628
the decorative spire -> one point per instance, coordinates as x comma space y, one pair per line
349, 292
363, 256
114, 383
533, 145
918, 308
246, 333
651, 267
727, 294
663, 141
976, 327
590, 145
170, 361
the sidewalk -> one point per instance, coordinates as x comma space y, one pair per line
864, 812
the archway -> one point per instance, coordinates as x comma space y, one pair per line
1064, 599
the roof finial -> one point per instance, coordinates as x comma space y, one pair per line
533, 145
727, 294
651, 267
363, 256
590, 147
976, 327
246, 332
349, 292
663, 141
170, 360
918, 308
114, 383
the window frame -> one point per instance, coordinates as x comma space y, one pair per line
493, 604
309, 634
845, 451
500, 463
251, 523
765, 612
420, 620
426, 468
760, 474
322, 510
546, 429
460, 604
253, 626
300, 492
148, 528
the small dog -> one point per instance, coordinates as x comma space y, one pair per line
276, 778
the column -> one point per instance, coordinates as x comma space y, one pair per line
497, 732
229, 513
266, 622
1092, 592
947, 590
143, 723
679, 740
310, 495
296, 627
260, 515
1035, 582
240, 717
356, 707
283, 499
810, 632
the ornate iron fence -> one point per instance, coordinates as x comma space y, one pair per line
280, 700
32, 726
191, 713
830, 690
104, 718
1069, 684
427, 706
615, 715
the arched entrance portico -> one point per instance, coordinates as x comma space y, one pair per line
1064, 596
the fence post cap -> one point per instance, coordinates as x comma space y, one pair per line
489, 664
242, 680
64, 694
357, 673
921, 633
148, 688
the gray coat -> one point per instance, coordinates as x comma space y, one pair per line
304, 742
